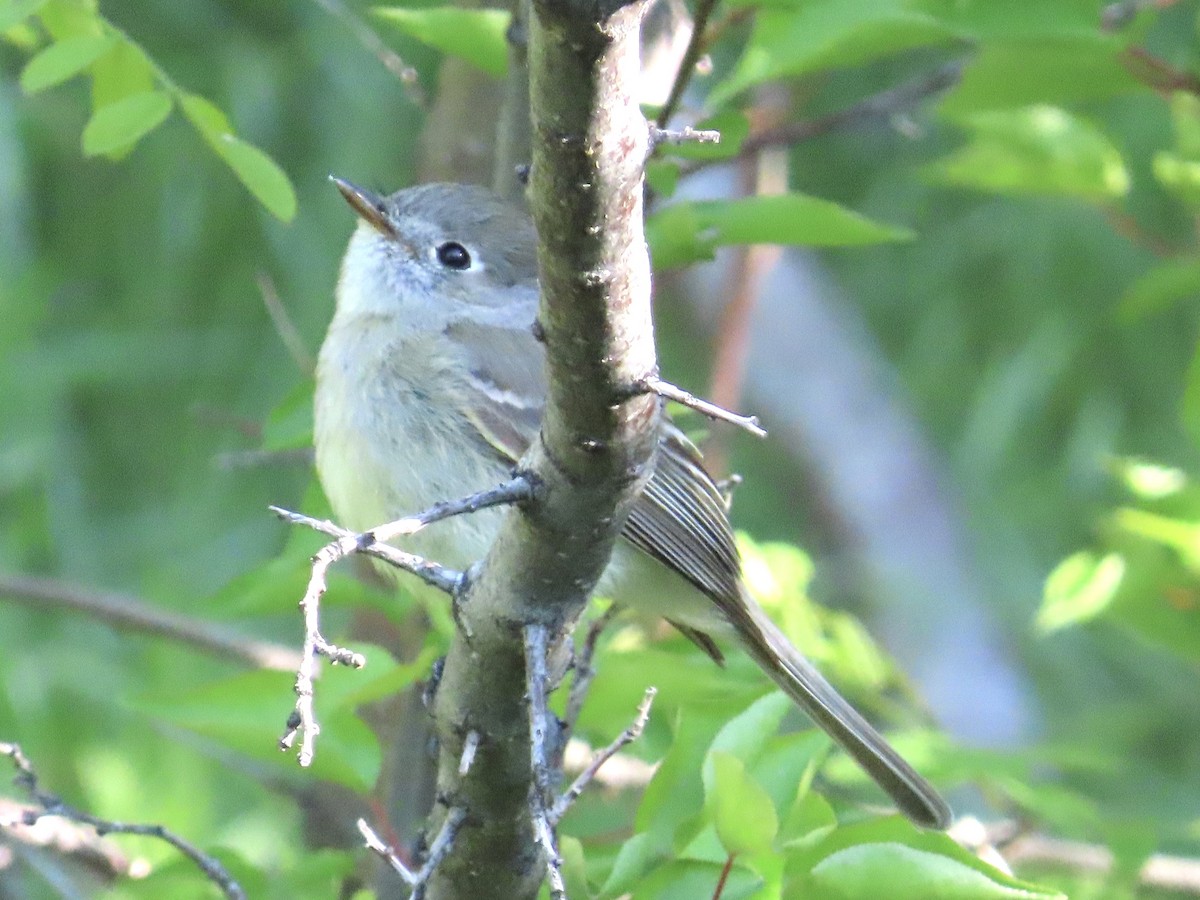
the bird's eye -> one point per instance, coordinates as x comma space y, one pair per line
454, 255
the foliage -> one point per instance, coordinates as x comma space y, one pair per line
1022, 245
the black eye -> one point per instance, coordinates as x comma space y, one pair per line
454, 255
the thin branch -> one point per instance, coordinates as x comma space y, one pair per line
437, 851
131, 613
685, 135
53, 805
392, 61
302, 722
687, 66
284, 326
584, 670
883, 105
517, 490
626, 737
536, 679
654, 385
348, 542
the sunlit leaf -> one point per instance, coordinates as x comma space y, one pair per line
261, 174
742, 811
123, 123
1055, 70
14, 12
1037, 150
63, 60
690, 231
1078, 589
476, 35
894, 859
827, 34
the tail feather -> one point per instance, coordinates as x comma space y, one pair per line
800, 680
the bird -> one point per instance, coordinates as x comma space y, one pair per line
431, 386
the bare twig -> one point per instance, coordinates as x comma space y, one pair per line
584, 670
883, 105
691, 56
348, 542
685, 135
128, 612
654, 385
628, 736
543, 829
53, 805
375, 45
437, 851
302, 722
517, 490
284, 326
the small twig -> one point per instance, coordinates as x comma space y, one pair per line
584, 670
441, 577
284, 326
518, 489
883, 105
655, 385
687, 66
470, 745
303, 721
374, 44
135, 614
628, 736
535, 684
685, 135
53, 805
437, 851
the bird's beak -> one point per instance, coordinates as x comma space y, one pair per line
369, 205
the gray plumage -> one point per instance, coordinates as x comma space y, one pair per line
430, 385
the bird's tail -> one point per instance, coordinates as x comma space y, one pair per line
800, 680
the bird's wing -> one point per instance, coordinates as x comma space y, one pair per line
680, 520
506, 386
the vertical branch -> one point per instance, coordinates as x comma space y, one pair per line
597, 439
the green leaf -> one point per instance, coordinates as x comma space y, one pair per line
62, 60
891, 858
826, 34
121, 124
1180, 176
206, 117
1058, 70
1185, 117
905, 873
742, 811
1037, 150
1079, 589
476, 35
687, 232
1164, 286
258, 172
123, 71
14, 12
747, 733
